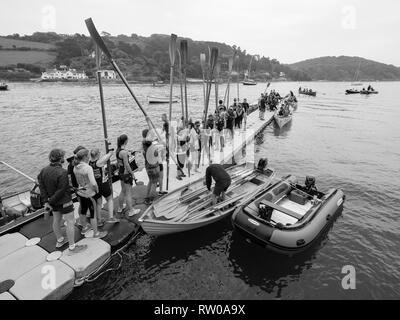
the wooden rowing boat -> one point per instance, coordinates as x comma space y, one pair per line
281, 121
308, 93
159, 99
190, 207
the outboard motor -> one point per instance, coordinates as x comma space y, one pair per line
310, 184
262, 164
265, 211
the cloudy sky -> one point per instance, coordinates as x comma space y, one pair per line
288, 30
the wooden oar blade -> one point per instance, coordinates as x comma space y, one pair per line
184, 52
203, 62
213, 59
230, 64
97, 38
172, 48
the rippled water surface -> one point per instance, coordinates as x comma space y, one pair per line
348, 142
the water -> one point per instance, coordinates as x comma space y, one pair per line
348, 142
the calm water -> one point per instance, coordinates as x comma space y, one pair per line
349, 142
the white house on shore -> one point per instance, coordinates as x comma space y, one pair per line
64, 73
108, 74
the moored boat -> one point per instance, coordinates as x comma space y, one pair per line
352, 91
369, 92
288, 217
3, 86
308, 92
161, 99
249, 82
190, 207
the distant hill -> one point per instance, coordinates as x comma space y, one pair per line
140, 58
344, 68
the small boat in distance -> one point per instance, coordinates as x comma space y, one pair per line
307, 92
287, 217
352, 91
249, 82
161, 99
190, 207
3, 86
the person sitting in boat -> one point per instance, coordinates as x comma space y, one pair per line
222, 181
8, 215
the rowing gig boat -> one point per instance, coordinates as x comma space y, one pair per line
281, 121
190, 207
158, 99
308, 93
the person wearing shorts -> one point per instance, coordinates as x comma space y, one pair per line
88, 188
55, 193
152, 165
222, 181
103, 182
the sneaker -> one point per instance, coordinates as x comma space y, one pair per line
179, 178
100, 234
86, 229
113, 220
77, 249
162, 193
61, 243
133, 212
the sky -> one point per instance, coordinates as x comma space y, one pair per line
288, 30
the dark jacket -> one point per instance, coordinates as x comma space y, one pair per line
218, 173
54, 185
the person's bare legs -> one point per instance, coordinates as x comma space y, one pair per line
69, 217
110, 206
128, 196
56, 224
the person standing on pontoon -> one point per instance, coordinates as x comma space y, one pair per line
56, 196
222, 181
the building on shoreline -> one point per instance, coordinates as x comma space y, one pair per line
108, 74
63, 74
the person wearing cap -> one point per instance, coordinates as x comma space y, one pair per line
98, 164
56, 195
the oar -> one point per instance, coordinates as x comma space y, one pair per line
184, 57
237, 84
103, 114
217, 72
99, 41
265, 91
203, 70
230, 65
19, 172
213, 62
181, 83
172, 50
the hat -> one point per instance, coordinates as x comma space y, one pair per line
78, 148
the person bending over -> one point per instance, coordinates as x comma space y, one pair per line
222, 181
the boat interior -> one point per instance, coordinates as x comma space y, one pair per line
286, 204
195, 205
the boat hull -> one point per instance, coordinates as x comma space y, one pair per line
4, 88
282, 121
313, 93
159, 226
369, 92
160, 100
293, 239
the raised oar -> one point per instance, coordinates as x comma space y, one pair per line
172, 50
217, 72
203, 70
237, 84
103, 114
230, 65
99, 41
265, 91
213, 62
184, 57
181, 83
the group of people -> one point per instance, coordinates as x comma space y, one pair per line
272, 100
195, 138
